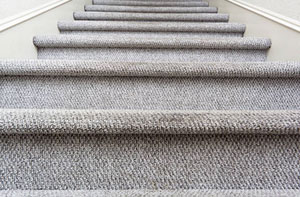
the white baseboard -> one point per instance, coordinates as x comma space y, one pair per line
19, 18
283, 20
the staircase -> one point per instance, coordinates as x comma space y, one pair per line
150, 98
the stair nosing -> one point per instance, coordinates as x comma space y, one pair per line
147, 69
134, 26
75, 41
85, 121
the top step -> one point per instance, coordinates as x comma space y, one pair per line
146, 9
163, 0
152, 3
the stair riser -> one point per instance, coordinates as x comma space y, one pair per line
151, 4
150, 29
163, 1
144, 9
149, 93
166, 35
149, 193
115, 16
153, 55
149, 161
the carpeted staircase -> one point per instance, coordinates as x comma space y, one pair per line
150, 98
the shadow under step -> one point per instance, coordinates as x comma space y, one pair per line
148, 86
145, 9
153, 3
153, 29
146, 48
125, 16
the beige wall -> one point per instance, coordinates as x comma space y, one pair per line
16, 42
285, 41
9, 8
289, 8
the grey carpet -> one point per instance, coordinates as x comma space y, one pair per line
152, 3
61, 121
143, 69
125, 16
122, 162
145, 48
152, 29
165, 0
146, 9
168, 92
149, 98
151, 193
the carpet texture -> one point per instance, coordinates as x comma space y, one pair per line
149, 98
151, 193
167, 92
47, 121
168, 30
151, 3
122, 162
145, 9
125, 16
147, 49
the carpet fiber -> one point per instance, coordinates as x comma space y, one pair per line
150, 98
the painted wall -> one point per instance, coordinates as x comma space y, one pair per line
285, 41
289, 8
9, 8
16, 42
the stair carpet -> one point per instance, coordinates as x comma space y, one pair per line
150, 98
145, 9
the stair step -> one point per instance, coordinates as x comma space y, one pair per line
61, 121
153, 29
164, 0
58, 117
155, 162
125, 16
152, 3
148, 86
145, 9
151, 193
143, 48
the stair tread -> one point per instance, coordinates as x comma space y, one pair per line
61, 121
150, 26
153, 193
146, 86
151, 3
124, 16
148, 69
149, 42
145, 9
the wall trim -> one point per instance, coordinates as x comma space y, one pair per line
19, 18
281, 19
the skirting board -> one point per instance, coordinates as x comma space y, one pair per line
283, 20
19, 18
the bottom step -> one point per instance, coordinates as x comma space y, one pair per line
151, 193
58, 149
